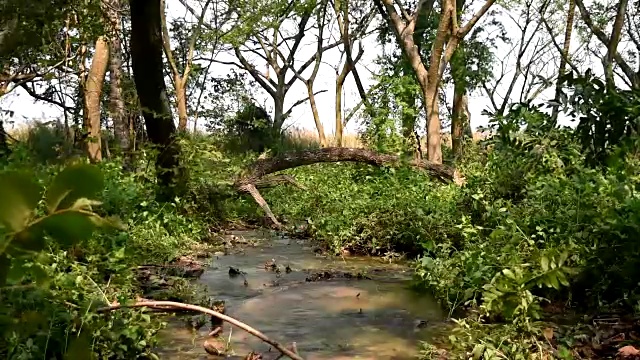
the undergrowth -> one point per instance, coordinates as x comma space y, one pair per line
535, 225
54, 316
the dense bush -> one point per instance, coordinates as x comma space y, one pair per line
535, 223
54, 293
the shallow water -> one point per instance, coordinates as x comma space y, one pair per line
334, 319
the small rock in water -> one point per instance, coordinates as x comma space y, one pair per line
233, 272
419, 324
270, 265
215, 346
288, 269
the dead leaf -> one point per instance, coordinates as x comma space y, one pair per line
627, 351
548, 333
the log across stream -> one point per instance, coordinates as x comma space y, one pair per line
332, 307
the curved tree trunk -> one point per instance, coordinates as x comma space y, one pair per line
146, 58
257, 174
93, 91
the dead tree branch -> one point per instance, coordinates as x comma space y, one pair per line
172, 305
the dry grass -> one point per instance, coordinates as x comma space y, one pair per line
21, 132
446, 138
309, 138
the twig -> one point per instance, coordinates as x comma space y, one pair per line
176, 305
293, 348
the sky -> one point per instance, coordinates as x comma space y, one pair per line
25, 108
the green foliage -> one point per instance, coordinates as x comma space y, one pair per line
69, 217
535, 223
50, 295
607, 118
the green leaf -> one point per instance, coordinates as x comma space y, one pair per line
508, 273
73, 183
544, 262
563, 257
20, 195
26, 240
67, 227
478, 351
562, 278
80, 348
553, 281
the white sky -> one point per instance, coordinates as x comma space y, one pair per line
26, 109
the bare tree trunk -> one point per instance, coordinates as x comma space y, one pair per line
339, 86
146, 58
278, 108
321, 16
181, 100
316, 116
180, 79
93, 91
120, 122
434, 136
565, 55
458, 118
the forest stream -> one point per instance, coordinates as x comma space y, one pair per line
343, 317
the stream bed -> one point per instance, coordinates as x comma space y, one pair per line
338, 318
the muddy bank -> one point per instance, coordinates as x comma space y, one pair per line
332, 307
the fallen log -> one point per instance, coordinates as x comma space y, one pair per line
254, 175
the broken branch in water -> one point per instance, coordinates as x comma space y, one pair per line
172, 305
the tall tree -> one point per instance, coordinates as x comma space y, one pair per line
531, 62
611, 42
146, 59
113, 9
321, 17
564, 57
353, 20
270, 40
92, 97
447, 38
180, 78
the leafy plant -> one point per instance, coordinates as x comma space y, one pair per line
69, 218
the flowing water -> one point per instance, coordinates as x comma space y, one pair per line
330, 319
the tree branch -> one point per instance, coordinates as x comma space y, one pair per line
300, 102
172, 305
192, 42
166, 40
